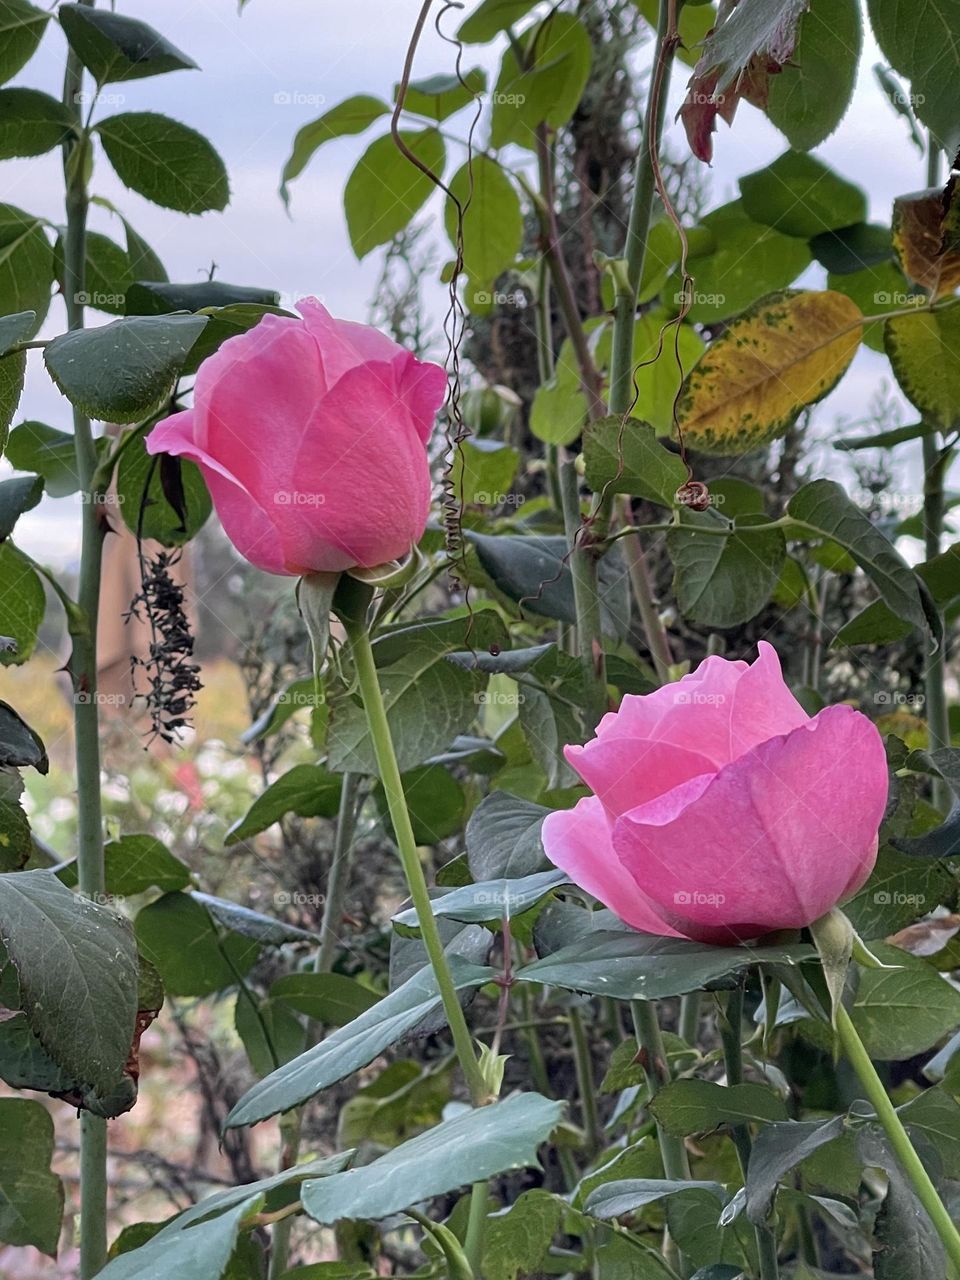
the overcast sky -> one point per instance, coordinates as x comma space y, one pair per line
281, 63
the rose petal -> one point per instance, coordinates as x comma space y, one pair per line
343, 344
366, 458
247, 525
577, 841
773, 841
763, 706
625, 772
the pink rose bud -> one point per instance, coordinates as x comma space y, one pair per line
311, 435
721, 810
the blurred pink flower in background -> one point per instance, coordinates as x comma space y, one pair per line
721, 810
311, 435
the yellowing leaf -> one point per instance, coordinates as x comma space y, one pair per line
923, 352
787, 351
919, 240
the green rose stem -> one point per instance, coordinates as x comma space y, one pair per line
656, 1069
83, 659
351, 605
731, 1023
910, 1162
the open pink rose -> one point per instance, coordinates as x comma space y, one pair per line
311, 435
721, 810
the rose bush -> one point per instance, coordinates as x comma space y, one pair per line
311, 435
721, 810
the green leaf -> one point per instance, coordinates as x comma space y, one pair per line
13, 369
535, 572
492, 220
441, 96
876, 624
489, 899
114, 47
165, 161
810, 95
33, 446
919, 44
906, 1243
330, 998
31, 1195
436, 803
823, 507
627, 457
351, 116
698, 1106
159, 297
876, 290
724, 581
77, 967
135, 863
779, 1148
267, 930
256, 1020
224, 323
944, 839
935, 1116
21, 27
22, 605
922, 351
429, 700
800, 196
308, 790
850, 249
144, 263
20, 494
26, 265
471, 1147
201, 1252
31, 123
490, 18
351, 1047
626, 965
547, 88
123, 371
901, 888
142, 496
385, 191
107, 274
558, 413
15, 329
746, 260
903, 1011
518, 1237
483, 472
16, 841
20, 746
626, 1195
178, 936
503, 837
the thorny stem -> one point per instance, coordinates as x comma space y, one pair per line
83, 660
